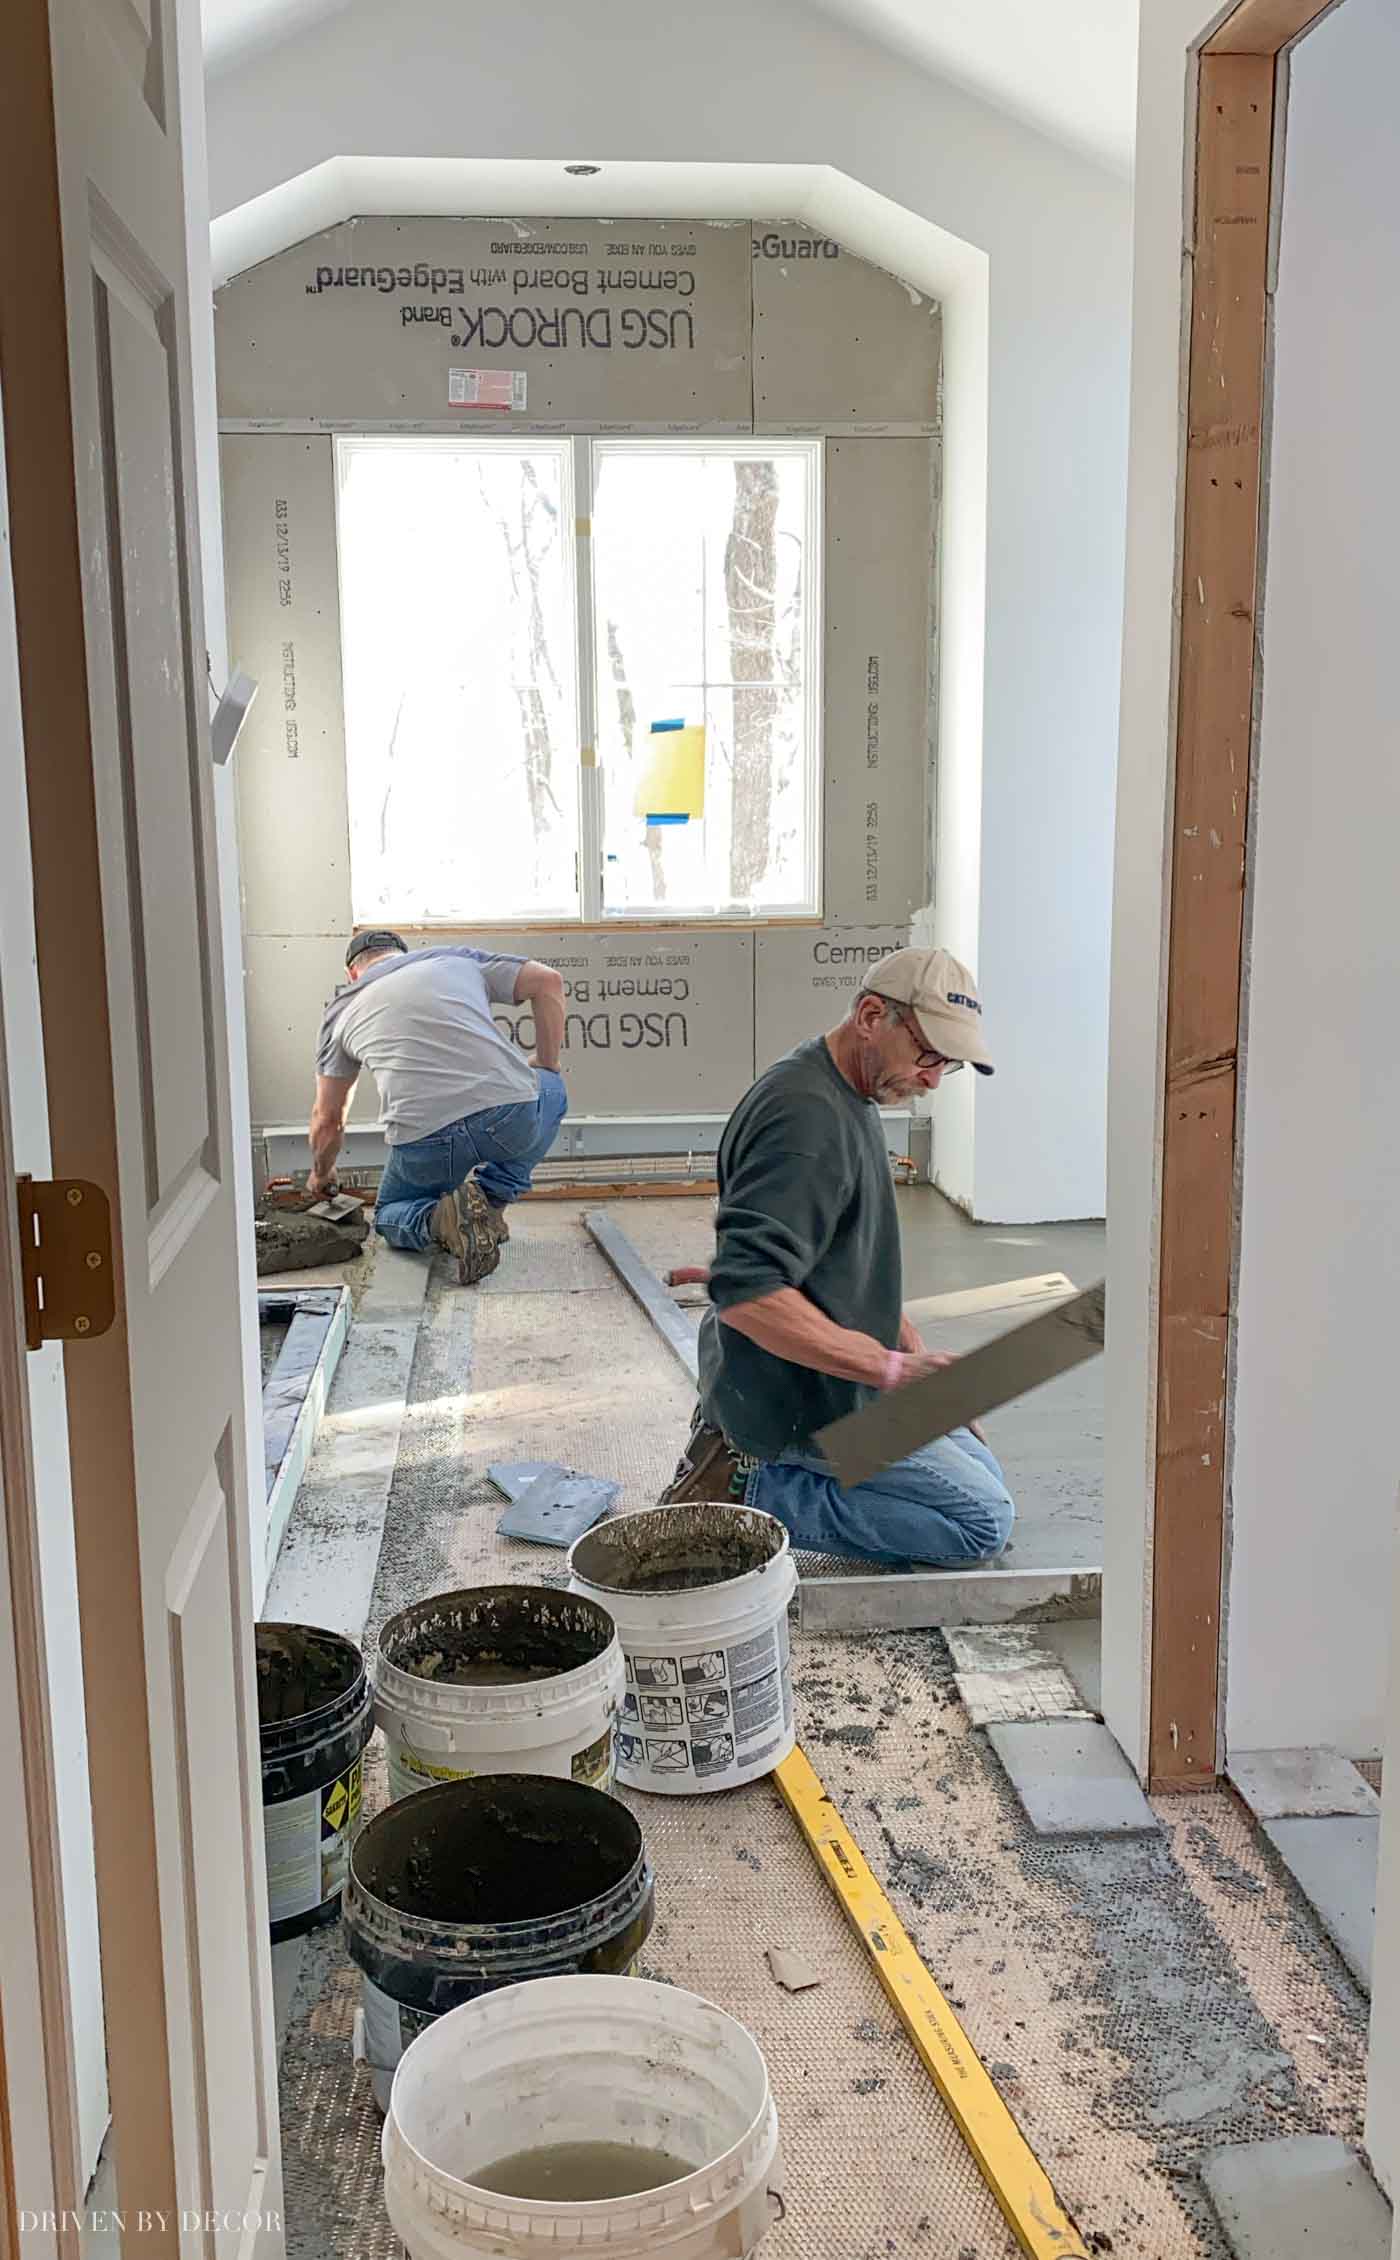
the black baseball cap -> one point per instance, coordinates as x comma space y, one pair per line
370, 944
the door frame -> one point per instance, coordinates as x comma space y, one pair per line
1238, 185
39, 2138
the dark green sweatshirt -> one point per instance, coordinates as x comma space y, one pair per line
806, 1200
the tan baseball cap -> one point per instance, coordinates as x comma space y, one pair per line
942, 996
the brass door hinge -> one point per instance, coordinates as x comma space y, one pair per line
65, 1230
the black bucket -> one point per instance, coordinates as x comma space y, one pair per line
315, 1715
458, 1890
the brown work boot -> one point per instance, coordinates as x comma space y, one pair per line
709, 1468
462, 1223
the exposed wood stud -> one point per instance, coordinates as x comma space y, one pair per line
1214, 710
1265, 27
1208, 849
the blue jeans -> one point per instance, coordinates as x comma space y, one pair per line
502, 1144
946, 1505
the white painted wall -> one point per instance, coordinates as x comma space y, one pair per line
48, 1411
1316, 1450
1045, 468
1167, 29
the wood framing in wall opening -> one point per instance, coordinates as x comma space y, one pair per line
1216, 695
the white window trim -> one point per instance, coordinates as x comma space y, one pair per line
581, 456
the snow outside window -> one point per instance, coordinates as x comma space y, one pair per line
504, 602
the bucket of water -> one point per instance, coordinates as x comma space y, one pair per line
573, 2116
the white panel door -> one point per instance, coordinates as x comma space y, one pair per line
113, 682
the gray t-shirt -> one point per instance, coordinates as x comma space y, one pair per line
422, 1025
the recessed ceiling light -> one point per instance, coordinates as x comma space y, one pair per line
583, 172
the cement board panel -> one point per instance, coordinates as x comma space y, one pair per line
284, 627
804, 982
877, 654
655, 1023
607, 323
289, 979
837, 341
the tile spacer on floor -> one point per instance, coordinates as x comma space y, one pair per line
1008, 2165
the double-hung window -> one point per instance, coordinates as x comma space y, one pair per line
582, 679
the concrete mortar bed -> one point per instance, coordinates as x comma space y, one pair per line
1138, 2002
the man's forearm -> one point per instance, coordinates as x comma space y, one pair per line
548, 1011
326, 1138
788, 1325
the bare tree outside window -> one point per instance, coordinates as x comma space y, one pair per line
750, 589
703, 571
535, 669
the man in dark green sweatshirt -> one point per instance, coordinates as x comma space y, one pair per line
806, 1319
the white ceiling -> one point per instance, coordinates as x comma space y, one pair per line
234, 28
1065, 66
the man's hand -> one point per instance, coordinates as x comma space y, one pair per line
913, 1368
318, 1187
911, 1341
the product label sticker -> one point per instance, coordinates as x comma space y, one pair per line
594, 1764
714, 1713
341, 1800
486, 388
408, 1771
388, 2028
308, 1843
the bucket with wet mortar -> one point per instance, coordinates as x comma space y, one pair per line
498, 1679
315, 1715
699, 1594
472, 1885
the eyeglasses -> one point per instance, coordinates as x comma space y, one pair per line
924, 1058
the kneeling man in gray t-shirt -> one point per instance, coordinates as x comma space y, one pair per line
467, 1116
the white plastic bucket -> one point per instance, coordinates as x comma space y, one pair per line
581, 2059
441, 1728
699, 1594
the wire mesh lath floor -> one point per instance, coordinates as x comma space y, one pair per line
1136, 2002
